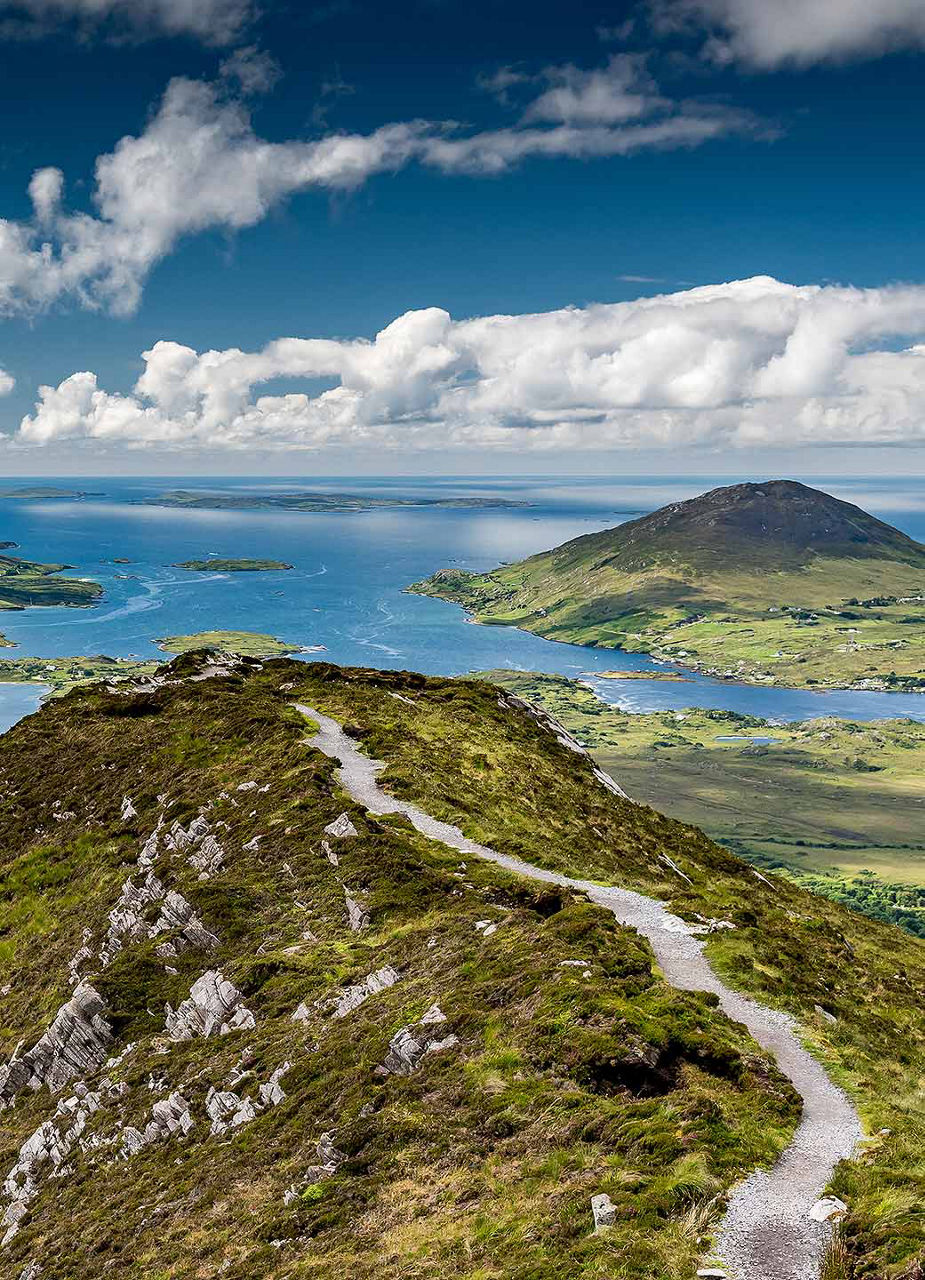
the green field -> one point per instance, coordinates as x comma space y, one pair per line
839, 805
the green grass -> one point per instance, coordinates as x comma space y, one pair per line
484, 1162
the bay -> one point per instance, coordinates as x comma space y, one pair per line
346, 591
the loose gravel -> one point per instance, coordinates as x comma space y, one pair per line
766, 1233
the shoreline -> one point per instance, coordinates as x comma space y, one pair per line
656, 656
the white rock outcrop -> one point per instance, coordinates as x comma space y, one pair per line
76, 1043
341, 828
410, 1045
829, 1209
215, 1007
357, 915
604, 1212
352, 997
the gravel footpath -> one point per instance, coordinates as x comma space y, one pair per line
766, 1233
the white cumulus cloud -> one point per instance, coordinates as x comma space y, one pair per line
199, 165
772, 33
215, 22
7, 382
745, 363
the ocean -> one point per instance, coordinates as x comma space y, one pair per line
346, 591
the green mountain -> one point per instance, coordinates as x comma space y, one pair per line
249, 1028
775, 582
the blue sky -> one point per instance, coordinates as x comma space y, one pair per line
790, 151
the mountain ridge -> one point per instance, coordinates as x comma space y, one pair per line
260, 946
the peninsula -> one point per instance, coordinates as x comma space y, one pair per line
25, 585
773, 583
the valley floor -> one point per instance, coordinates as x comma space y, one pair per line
839, 805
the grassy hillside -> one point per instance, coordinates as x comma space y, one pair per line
482, 1161
773, 583
837, 804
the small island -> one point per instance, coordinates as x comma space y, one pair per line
223, 500
252, 644
63, 674
233, 566
41, 492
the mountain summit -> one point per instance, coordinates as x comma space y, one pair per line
774, 581
771, 523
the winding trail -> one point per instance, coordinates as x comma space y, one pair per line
766, 1233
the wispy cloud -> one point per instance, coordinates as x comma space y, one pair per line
199, 165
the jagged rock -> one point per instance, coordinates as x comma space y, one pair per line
271, 1095
828, 1209
228, 1110
128, 810
128, 919
341, 827
179, 839
408, 1047
172, 1115
331, 1159
357, 915
352, 997
604, 1211
715, 1273
150, 848
44, 1153
330, 854
170, 1118
207, 858
214, 1006
246, 786
30, 1272
302, 1013
80, 957
824, 1014
177, 913
76, 1043
328, 1153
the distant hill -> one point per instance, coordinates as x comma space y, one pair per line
775, 581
